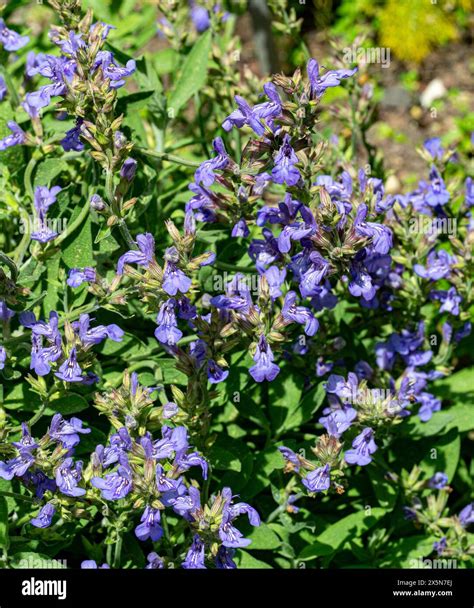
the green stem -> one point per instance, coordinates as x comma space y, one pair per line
76, 223
11, 265
19, 252
28, 175
125, 232
17, 496
118, 552
34, 419
166, 533
169, 157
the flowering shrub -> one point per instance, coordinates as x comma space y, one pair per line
257, 338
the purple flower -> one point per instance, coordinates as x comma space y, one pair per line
200, 17
237, 298
438, 481
229, 535
361, 284
112, 70
332, 78
128, 169
215, 374
154, 562
70, 370
11, 41
68, 474
299, 314
224, 559
440, 546
284, 170
315, 269
44, 517
142, 257
78, 276
183, 462
429, 405
437, 193
290, 457
434, 147
71, 140
72, 44
170, 410
463, 332
205, 173
150, 526
275, 278
95, 335
323, 367
26, 441
318, 480
240, 229
195, 555
90, 564
438, 266
66, 431
264, 368
36, 100
450, 300
16, 138
466, 516
245, 115
117, 485
18, 466
5, 312
3, 357
345, 390
338, 420
167, 331
362, 448
174, 279
380, 235
324, 298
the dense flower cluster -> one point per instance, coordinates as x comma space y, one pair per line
328, 288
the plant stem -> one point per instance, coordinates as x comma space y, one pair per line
118, 551
17, 496
76, 223
169, 157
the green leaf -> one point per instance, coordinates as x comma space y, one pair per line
385, 492
443, 454
21, 396
284, 396
51, 299
245, 560
310, 402
402, 551
225, 459
193, 74
48, 170
134, 101
263, 537
67, 405
336, 535
265, 463
77, 248
3, 524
